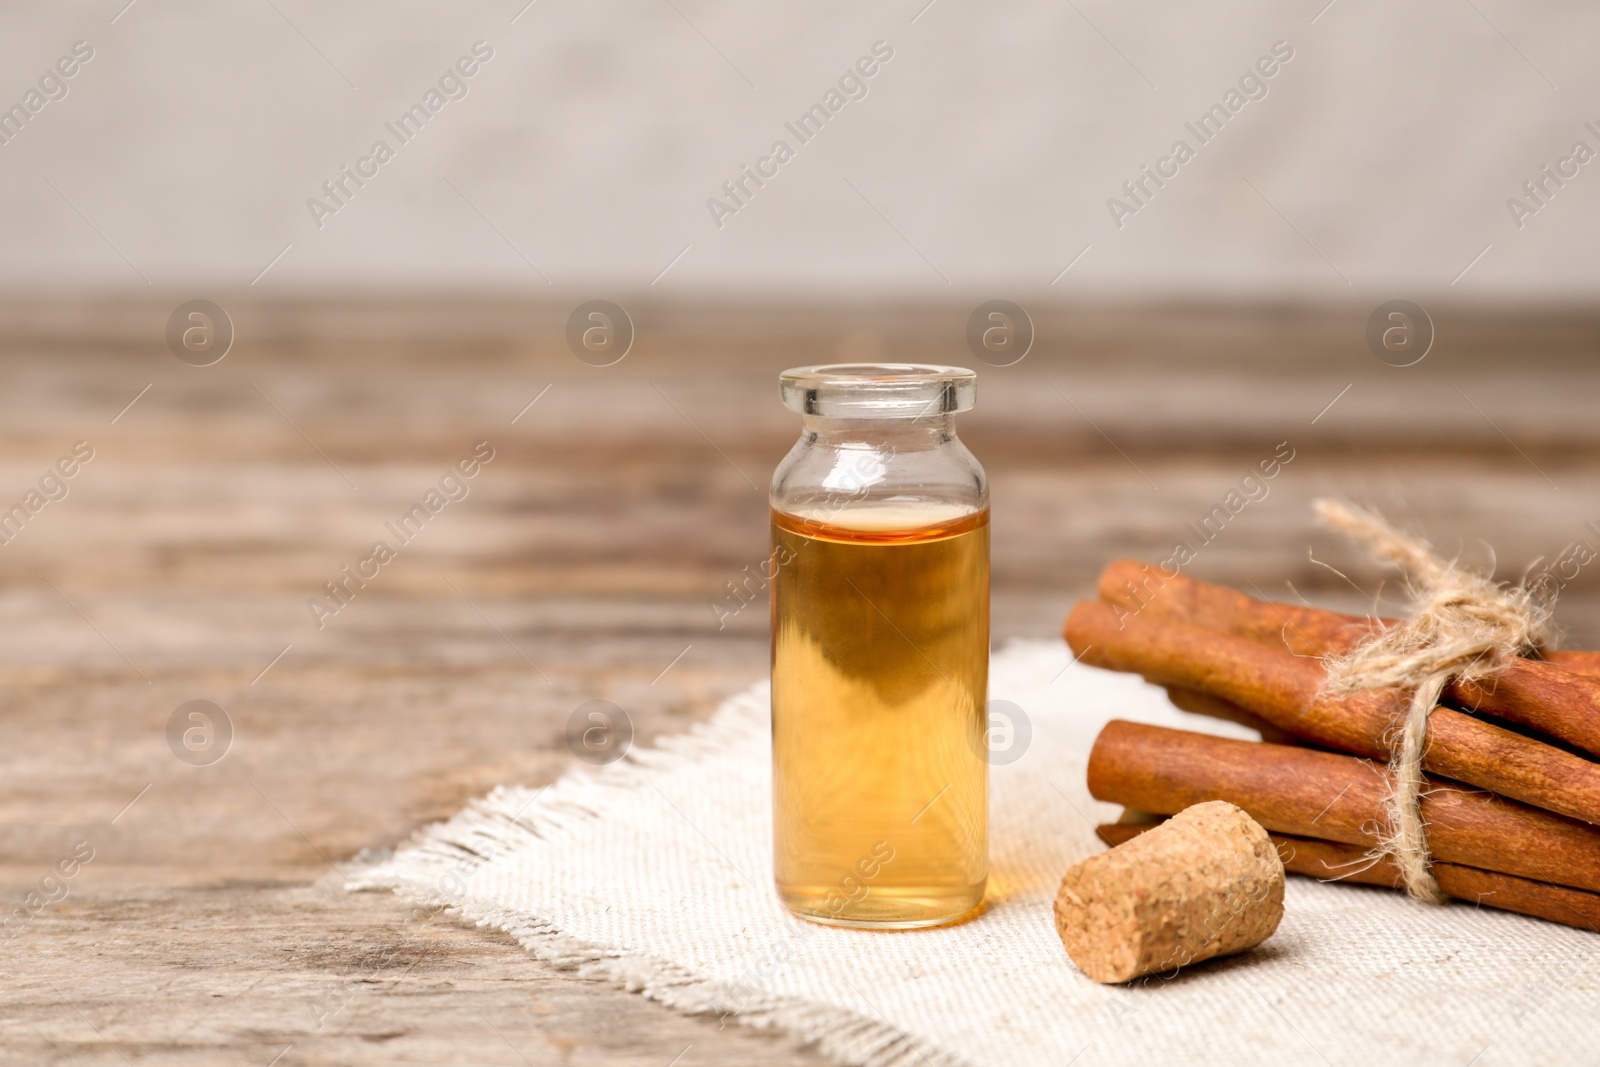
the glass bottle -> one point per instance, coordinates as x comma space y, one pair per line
880, 649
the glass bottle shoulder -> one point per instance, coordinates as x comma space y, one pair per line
896, 481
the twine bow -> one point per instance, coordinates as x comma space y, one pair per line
1463, 625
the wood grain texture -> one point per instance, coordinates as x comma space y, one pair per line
580, 565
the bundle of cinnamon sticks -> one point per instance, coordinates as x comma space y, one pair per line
1514, 791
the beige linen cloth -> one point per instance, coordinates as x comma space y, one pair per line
655, 872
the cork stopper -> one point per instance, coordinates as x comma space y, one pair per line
1207, 882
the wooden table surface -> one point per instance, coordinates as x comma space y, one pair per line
211, 925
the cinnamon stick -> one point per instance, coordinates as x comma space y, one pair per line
1584, 663
1336, 798
1142, 589
1332, 861
1198, 703
1552, 695
1284, 689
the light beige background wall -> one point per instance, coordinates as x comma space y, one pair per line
980, 160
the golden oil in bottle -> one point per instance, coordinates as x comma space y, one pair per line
880, 654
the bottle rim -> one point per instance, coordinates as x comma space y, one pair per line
878, 390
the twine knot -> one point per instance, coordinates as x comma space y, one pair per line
1463, 625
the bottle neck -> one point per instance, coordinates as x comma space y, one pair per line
897, 434
850, 462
